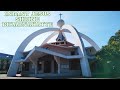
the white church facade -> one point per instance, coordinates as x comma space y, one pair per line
60, 58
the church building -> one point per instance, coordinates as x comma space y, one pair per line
55, 59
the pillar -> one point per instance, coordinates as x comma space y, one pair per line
85, 67
20, 65
35, 69
42, 66
58, 68
52, 66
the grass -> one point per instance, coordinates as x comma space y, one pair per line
106, 75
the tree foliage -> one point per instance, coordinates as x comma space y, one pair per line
4, 64
108, 58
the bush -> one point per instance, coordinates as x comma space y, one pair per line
3, 72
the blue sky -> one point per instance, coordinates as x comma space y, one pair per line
98, 25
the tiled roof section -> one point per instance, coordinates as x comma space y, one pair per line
55, 47
65, 44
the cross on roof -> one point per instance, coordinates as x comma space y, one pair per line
60, 15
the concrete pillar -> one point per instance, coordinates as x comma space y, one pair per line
21, 67
85, 67
35, 69
59, 68
57, 59
43, 66
52, 66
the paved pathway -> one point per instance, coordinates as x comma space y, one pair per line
4, 76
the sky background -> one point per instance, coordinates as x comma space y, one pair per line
98, 25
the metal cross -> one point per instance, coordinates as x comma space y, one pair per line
60, 15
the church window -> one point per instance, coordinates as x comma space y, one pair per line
62, 42
46, 47
59, 39
25, 66
39, 64
74, 64
57, 43
72, 52
90, 50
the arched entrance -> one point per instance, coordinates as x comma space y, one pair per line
47, 64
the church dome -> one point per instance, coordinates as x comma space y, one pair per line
60, 23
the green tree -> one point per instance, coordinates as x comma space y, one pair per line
108, 58
4, 64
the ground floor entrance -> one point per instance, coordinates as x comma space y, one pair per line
48, 66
